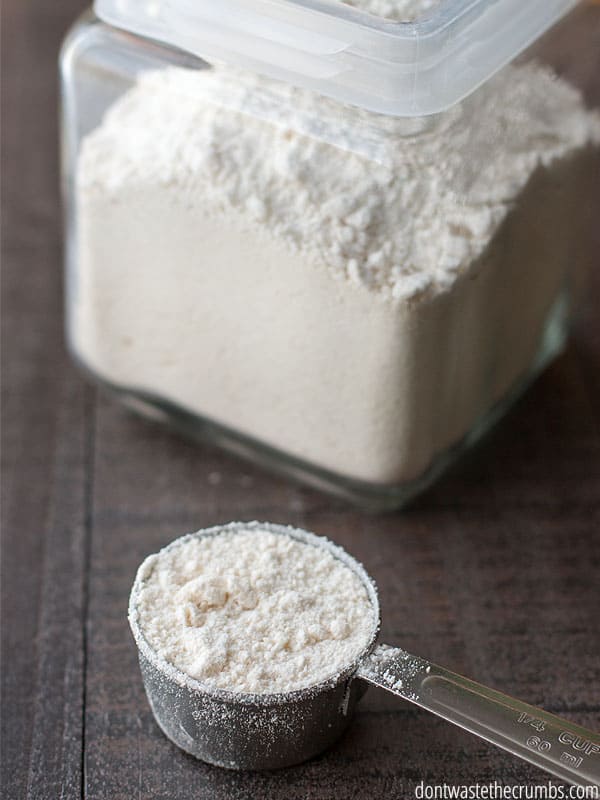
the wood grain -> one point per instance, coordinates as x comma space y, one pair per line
493, 573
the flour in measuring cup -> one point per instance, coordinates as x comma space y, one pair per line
253, 611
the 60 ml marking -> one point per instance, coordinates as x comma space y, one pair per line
541, 745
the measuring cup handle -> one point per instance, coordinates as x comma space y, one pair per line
567, 751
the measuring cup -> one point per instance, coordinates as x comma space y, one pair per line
269, 731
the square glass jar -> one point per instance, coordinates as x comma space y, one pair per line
351, 294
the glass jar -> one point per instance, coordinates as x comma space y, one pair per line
320, 245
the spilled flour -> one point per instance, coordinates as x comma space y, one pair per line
253, 610
395, 669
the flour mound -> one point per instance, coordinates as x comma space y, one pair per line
397, 10
254, 611
346, 189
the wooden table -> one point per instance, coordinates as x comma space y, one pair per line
494, 573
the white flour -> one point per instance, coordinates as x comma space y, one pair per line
357, 306
398, 10
401, 228
253, 610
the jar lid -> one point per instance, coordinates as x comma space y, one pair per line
404, 69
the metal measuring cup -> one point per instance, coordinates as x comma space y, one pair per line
269, 731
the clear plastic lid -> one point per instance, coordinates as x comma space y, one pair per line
404, 69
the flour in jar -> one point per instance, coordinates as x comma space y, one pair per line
252, 609
397, 10
310, 276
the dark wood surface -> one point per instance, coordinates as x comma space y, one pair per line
494, 573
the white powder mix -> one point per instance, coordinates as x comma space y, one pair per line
397, 10
253, 610
358, 306
402, 227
